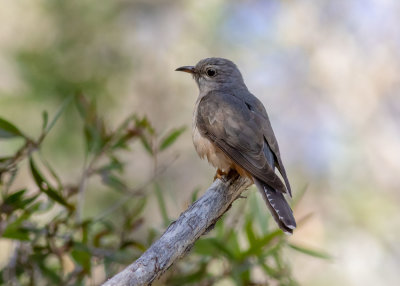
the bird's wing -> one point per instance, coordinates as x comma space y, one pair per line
269, 136
239, 132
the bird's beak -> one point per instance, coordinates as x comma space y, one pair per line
189, 69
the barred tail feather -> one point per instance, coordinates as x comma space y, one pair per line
279, 208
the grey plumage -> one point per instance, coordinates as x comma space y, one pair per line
236, 122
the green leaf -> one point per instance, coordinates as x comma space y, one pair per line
16, 201
14, 197
195, 194
212, 247
45, 117
161, 203
45, 187
14, 230
194, 277
146, 144
58, 114
49, 272
171, 138
133, 243
113, 181
257, 212
311, 252
82, 256
204, 247
145, 123
257, 246
250, 232
8, 130
93, 138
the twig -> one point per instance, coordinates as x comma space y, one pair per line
180, 236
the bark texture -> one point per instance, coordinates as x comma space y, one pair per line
180, 236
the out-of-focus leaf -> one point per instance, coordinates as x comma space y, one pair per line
311, 252
114, 164
45, 187
257, 212
16, 201
204, 246
97, 238
14, 197
113, 181
50, 169
133, 243
171, 138
145, 123
8, 130
93, 138
4, 159
45, 117
82, 256
194, 277
250, 232
50, 273
18, 234
161, 203
269, 270
14, 230
121, 256
256, 247
212, 247
232, 243
57, 115
195, 194
146, 145
139, 207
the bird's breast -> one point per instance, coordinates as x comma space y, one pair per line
207, 149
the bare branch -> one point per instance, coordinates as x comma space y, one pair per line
180, 236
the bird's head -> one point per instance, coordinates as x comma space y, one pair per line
215, 74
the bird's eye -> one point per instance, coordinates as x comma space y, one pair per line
211, 72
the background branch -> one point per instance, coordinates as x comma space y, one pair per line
182, 234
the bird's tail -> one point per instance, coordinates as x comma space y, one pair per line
278, 206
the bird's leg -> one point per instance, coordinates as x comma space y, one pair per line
219, 175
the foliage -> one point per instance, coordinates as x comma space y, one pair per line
46, 222
49, 234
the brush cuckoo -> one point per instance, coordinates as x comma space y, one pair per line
232, 130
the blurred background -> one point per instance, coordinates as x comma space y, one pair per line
327, 72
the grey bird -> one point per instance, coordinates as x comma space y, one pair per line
232, 130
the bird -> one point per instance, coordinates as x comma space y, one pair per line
231, 128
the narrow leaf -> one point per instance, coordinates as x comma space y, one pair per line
250, 232
146, 144
14, 197
311, 252
58, 113
8, 130
82, 257
257, 245
14, 229
45, 187
161, 204
45, 117
171, 138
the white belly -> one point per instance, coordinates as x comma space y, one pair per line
205, 148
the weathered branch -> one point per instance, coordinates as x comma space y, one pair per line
182, 234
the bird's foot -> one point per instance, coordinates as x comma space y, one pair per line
220, 175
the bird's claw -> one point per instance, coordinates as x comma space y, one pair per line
220, 175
